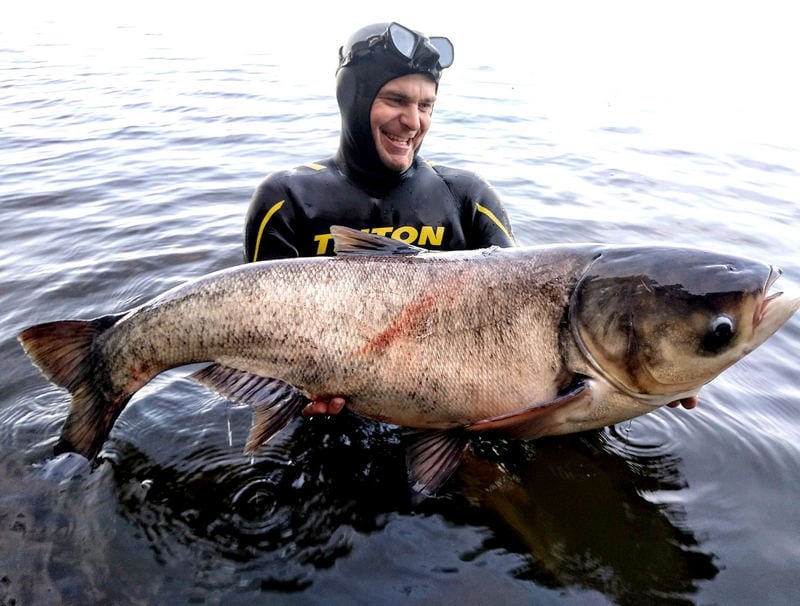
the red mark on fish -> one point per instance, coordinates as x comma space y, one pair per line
410, 323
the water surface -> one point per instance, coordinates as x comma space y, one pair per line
130, 149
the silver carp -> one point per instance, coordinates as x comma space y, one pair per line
527, 342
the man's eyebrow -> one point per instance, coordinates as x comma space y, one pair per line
400, 96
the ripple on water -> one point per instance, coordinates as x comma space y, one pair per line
287, 507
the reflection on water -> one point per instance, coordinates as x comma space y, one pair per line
574, 511
581, 513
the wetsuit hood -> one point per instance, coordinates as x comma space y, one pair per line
357, 85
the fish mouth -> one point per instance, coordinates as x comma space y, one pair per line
761, 310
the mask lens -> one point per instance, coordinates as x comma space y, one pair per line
404, 40
445, 49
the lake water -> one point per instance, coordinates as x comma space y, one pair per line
131, 141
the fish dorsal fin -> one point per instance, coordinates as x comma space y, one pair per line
432, 456
274, 402
349, 242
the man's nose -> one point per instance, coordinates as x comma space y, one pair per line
410, 117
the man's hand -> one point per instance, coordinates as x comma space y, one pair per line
687, 403
324, 406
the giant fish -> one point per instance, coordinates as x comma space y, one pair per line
525, 342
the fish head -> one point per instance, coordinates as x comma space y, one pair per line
659, 323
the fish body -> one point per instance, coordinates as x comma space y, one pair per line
530, 341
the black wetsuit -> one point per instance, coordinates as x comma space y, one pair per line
436, 207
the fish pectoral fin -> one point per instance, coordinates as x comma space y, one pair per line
531, 421
274, 402
349, 242
432, 456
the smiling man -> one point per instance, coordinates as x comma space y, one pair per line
386, 87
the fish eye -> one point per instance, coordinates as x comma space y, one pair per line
720, 333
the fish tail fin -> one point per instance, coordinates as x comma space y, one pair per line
274, 403
64, 353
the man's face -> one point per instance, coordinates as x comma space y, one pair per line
400, 117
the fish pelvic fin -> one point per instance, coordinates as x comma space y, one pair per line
274, 402
432, 456
64, 351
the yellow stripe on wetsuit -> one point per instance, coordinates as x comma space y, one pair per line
275, 208
491, 215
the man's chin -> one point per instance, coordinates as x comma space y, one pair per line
399, 164
395, 158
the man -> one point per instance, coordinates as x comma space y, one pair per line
386, 86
